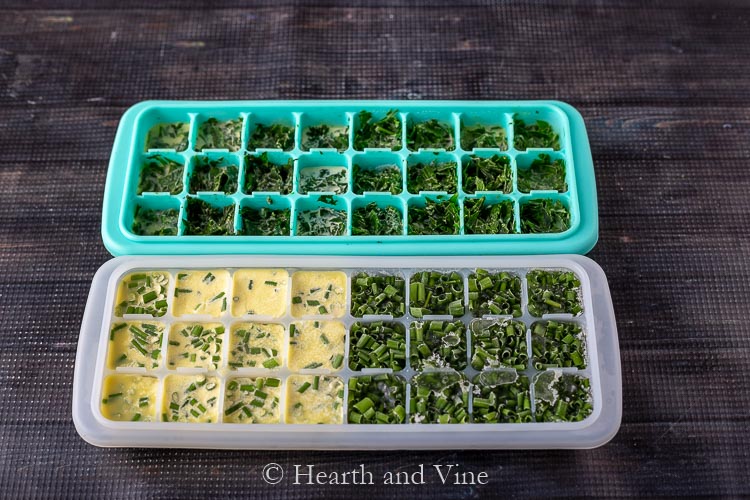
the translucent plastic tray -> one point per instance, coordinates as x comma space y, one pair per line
130, 151
596, 319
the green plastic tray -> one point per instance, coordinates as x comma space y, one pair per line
129, 154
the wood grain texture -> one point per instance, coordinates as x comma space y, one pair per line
662, 86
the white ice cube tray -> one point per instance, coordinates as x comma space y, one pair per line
597, 320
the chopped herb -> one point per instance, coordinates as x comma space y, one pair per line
487, 174
213, 175
495, 218
378, 294
159, 174
382, 179
433, 176
263, 175
437, 344
494, 294
383, 133
537, 135
377, 399
440, 397
168, 136
275, 136
553, 292
544, 174
155, 222
562, 397
325, 136
323, 180
483, 136
205, 220
377, 345
436, 217
544, 216
322, 221
558, 344
501, 397
213, 134
433, 293
377, 221
498, 343
265, 221
312, 366
430, 134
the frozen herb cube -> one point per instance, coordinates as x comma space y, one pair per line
378, 294
322, 221
323, 180
383, 179
275, 136
159, 174
544, 174
135, 344
203, 219
558, 344
325, 136
433, 176
553, 292
190, 398
155, 222
434, 293
250, 400
435, 217
195, 345
430, 134
378, 344
168, 136
213, 134
483, 136
372, 220
498, 343
143, 292
481, 217
487, 174
213, 175
437, 344
534, 135
382, 133
263, 175
377, 399
494, 293
439, 397
266, 221
256, 345
544, 216
562, 397
501, 397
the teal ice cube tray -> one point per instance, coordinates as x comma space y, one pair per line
211, 147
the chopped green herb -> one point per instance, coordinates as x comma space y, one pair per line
543, 174
433, 293
213, 134
433, 176
168, 136
501, 397
372, 220
430, 134
323, 180
377, 345
322, 221
498, 343
544, 216
213, 175
382, 179
440, 397
483, 136
325, 136
159, 174
155, 222
377, 399
275, 136
494, 293
205, 220
263, 175
487, 174
558, 344
562, 397
378, 294
383, 133
437, 344
553, 292
495, 218
537, 135
265, 221
436, 217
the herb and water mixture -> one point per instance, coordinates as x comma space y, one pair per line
371, 173
328, 346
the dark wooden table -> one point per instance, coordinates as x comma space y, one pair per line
663, 88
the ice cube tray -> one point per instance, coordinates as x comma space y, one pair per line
188, 145
106, 308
